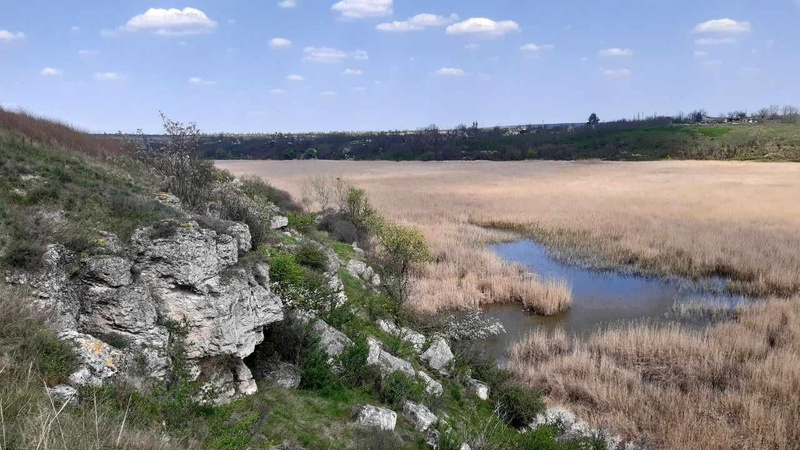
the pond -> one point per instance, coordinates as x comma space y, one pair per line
599, 298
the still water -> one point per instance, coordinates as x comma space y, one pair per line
599, 298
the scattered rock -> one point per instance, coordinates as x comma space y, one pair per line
240, 232
386, 361
418, 415
168, 199
332, 340
360, 269
479, 389
98, 360
438, 356
63, 394
417, 340
432, 387
569, 427
375, 417
279, 222
282, 374
432, 437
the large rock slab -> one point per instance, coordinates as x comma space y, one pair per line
375, 417
332, 341
417, 340
385, 361
438, 356
419, 416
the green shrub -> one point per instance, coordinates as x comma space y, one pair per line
285, 271
398, 387
355, 371
257, 188
23, 254
311, 256
300, 222
518, 406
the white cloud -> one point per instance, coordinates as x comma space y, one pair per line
617, 73
75, 29
616, 51
8, 36
287, 4
417, 23
715, 41
700, 54
536, 48
352, 72
109, 76
325, 55
360, 55
277, 91
171, 22
197, 81
723, 26
51, 72
362, 9
482, 27
295, 77
88, 53
329, 94
280, 43
450, 72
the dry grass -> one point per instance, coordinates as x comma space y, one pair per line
687, 218
735, 386
42, 131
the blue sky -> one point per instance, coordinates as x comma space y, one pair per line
316, 65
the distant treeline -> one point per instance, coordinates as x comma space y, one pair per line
770, 134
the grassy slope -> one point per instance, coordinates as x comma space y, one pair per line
52, 195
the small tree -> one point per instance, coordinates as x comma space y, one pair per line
178, 163
593, 119
401, 248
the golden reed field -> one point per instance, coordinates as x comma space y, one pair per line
736, 385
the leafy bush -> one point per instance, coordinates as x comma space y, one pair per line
285, 271
311, 256
257, 188
299, 221
340, 228
518, 406
234, 206
355, 371
398, 387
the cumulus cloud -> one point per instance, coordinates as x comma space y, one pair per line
325, 55
329, 94
362, 9
8, 36
108, 76
51, 72
171, 22
536, 47
715, 41
277, 91
197, 81
616, 73
450, 72
287, 4
616, 51
280, 43
482, 27
360, 55
295, 77
417, 23
723, 26
352, 72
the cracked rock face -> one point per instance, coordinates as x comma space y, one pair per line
186, 276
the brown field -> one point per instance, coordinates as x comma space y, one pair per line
735, 386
